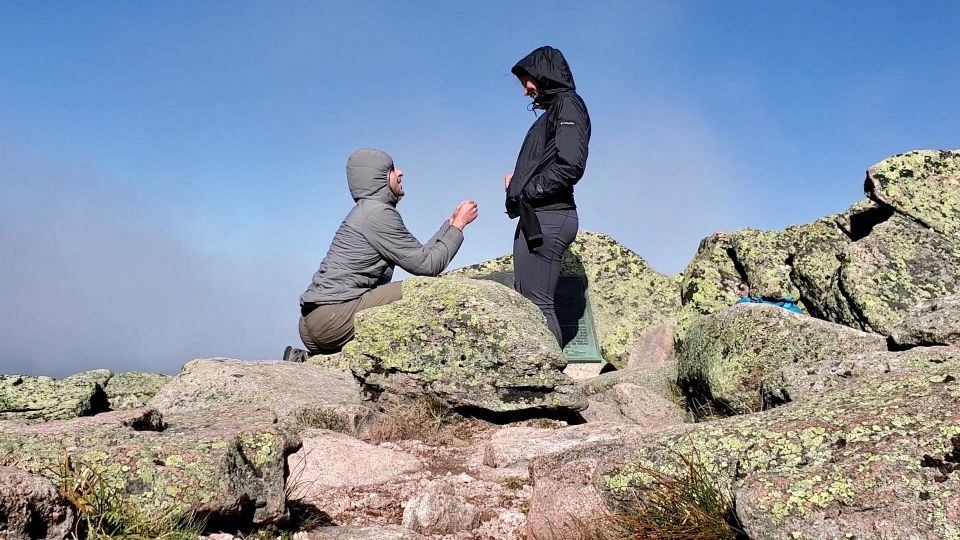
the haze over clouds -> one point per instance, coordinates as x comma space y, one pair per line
171, 175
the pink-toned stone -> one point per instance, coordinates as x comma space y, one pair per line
329, 461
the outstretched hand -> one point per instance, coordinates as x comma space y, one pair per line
464, 214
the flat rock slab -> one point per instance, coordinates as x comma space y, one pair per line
330, 461
511, 449
41, 399
31, 507
289, 389
640, 405
360, 533
223, 464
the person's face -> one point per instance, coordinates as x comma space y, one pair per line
529, 86
394, 180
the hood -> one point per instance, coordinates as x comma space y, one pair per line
368, 171
548, 68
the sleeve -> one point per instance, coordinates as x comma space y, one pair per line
388, 235
572, 138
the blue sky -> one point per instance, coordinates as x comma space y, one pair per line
171, 173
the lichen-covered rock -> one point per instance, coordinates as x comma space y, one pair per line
865, 460
469, 343
727, 355
291, 390
898, 265
934, 322
439, 510
626, 294
923, 184
133, 389
42, 398
797, 382
815, 270
223, 464
710, 282
727, 266
31, 507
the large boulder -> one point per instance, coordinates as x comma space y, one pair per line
31, 507
41, 399
935, 322
727, 266
923, 184
862, 268
295, 392
627, 296
898, 265
470, 343
726, 356
864, 460
133, 389
224, 464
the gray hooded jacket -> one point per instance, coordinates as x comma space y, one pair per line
372, 239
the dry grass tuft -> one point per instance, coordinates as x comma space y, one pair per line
422, 419
688, 505
103, 514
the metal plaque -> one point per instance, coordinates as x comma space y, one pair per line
576, 321
574, 314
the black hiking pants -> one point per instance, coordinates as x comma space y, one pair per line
536, 274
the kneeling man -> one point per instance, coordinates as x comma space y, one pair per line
371, 241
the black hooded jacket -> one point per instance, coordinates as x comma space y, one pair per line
554, 152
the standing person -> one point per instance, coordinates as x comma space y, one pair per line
540, 189
371, 241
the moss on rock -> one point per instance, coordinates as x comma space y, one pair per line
827, 467
626, 294
923, 184
470, 343
42, 399
898, 265
133, 389
726, 356
223, 464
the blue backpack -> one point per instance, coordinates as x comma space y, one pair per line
787, 303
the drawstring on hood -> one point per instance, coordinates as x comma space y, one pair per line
368, 175
549, 69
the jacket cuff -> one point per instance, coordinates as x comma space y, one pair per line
450, 236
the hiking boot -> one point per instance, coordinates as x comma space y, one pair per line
291, 354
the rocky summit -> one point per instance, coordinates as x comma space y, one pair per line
453, 413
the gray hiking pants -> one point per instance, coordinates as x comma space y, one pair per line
327, 329
536, 274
